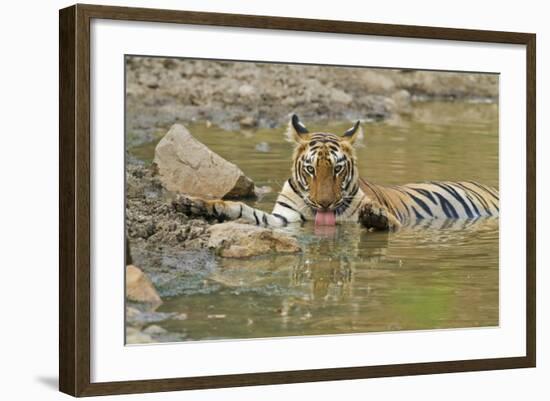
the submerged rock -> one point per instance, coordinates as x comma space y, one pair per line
262, 191
154, 330
237, 240
186, 165
139, 287
138, 318
134, 336
132, 313
263, 147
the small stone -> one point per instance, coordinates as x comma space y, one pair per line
181, 316
247, 90
132, 313
154, 330
262, 191
139, 287
247, 122
339, 96
217, 316
134, 336
263, 147
402, 100
148, 317
376, 81
151, 228
289, 101
149, 80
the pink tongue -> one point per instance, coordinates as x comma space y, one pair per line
325, 218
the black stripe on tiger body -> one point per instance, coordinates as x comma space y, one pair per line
436, 200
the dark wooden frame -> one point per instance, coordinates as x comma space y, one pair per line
74, 199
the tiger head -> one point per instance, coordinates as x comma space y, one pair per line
324, 167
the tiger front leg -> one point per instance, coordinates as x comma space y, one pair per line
226, 210
376, 217
198, 207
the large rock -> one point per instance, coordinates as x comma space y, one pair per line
139, 287
186, 165
237, 240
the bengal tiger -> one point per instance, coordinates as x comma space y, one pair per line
324, 187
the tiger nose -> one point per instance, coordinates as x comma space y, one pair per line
325, 203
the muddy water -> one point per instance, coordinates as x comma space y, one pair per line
433, 275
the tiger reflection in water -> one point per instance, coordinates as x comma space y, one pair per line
330, 265
333, 255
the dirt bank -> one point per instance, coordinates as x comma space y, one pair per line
235, 95
152, 222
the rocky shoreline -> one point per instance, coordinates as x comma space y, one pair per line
165, 243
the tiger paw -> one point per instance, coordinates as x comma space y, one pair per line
191, 206
377, 218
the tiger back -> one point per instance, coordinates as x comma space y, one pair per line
435, 200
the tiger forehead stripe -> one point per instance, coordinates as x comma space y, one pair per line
324, 137
328, 140
325, 144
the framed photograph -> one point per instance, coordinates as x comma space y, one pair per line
250, 200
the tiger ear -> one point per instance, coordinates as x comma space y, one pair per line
353, 133
296, 132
